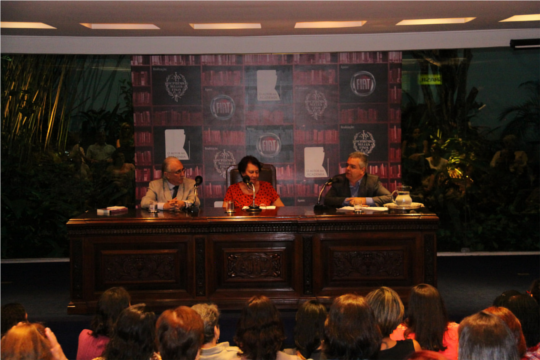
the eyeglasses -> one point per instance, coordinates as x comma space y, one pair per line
178, 172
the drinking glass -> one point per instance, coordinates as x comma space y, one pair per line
153, 207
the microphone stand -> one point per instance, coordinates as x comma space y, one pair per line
253, 207
319, 209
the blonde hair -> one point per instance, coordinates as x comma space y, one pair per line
387, 307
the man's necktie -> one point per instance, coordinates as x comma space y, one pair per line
175, 192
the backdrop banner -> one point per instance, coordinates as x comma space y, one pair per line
303, 113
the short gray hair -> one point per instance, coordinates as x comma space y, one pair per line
210, 316
360, 155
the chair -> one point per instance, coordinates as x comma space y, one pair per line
268, 174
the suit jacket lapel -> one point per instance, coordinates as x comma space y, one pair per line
362, 191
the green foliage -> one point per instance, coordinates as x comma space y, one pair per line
37, 202
480, 207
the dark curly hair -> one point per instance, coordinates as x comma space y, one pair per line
351, 330
309, 328
109, 306
133, 335
260, 331
242, 165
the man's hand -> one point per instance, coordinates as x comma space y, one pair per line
357, 200
174, 205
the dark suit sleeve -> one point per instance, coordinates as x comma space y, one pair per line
337, 194
381, 195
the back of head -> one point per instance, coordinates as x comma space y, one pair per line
502, 300
351, 331
12, 314
209, 314
309, 328
179, 334
260, 332
484, 336
26, 342
526, 309
387, 308
427, 317
109, 306
426, 355
513, 324
133, 335
534, 289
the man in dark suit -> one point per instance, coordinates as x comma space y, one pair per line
357, 187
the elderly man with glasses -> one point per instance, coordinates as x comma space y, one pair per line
173, 191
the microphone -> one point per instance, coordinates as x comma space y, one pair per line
198, 180
246, 180
319, 209
334, 180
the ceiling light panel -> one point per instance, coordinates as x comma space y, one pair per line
25, 25
530, 17
436, 21
224, 26
120, 26
328, 24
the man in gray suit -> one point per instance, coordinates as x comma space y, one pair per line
357, 187
173, 191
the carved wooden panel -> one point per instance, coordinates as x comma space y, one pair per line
430, 263
307, 258
138, 266
251, 264
368, 264
200, 266
76, 269
258, 264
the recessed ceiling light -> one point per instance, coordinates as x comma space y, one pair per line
530, 17
436, 21
25, 25
225, 26
120, 26
328, 24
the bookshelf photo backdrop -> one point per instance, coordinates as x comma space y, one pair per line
303, 113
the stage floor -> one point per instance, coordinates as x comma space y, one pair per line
467, 283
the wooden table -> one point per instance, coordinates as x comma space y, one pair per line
288, 254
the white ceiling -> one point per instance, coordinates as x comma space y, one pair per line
277, 19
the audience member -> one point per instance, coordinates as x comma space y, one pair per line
427, 322
513, 324
125, 143
309, 330
211, 349
526, 309
260, 333
100, 152
351, 331
509, 158
502, 299
534, 290
133, 336
388, 310
109, 306
179, 334
31, 341
484, 336
122, 176
12, 314
426, 355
